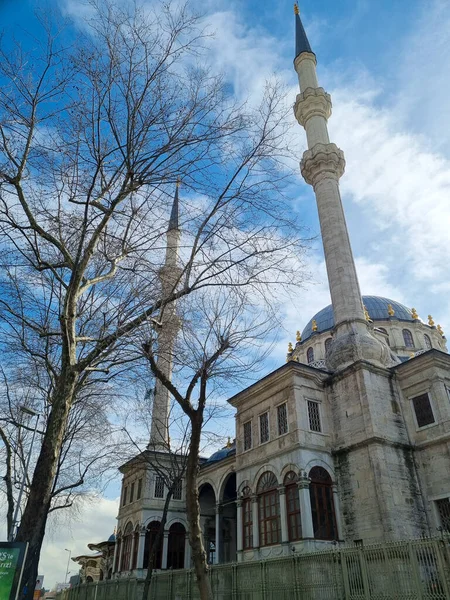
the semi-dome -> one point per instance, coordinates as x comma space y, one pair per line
377, 307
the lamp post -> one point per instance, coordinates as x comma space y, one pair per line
68, 561
28, 411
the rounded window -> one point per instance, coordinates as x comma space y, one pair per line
408, 338
428, 345
310, 355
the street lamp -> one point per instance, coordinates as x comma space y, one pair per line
68, 560
32, 413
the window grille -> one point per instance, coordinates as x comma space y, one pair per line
428, 345
408, 338
247, 435
132, 492
247, 523
322, 504
269, 518
293, 506
139, 490
177, 490
282, 419
423, 410
310, 355
159, 487
443, 507
264, 428
314, 416
125, 494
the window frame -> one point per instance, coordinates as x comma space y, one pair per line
413, 409
310, 352
278, 407
445, 528
321, 495
247, 523
178, 491
139, 489
404, 339
293, 517
124, 495
264, 414
159, 479
132, 488
249, 423
310, 401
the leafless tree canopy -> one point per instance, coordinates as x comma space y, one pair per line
94, 131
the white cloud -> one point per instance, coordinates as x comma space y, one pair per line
94, 522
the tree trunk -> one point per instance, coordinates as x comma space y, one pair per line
9, 486
193, 513
155, 545
34, 517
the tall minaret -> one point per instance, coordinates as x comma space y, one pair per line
322, 166
169, 275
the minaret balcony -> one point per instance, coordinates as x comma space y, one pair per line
313, 102
322, 161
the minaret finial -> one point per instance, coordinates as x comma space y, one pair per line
301, 41
173, 221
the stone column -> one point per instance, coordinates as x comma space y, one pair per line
283, 514
337, 512
115, 562
140, 556
255, 521
217, 556
164, 550
239, 527
305, 506
133, 541
119, 564
187, 553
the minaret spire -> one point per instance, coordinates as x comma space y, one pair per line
169, 275
322, 166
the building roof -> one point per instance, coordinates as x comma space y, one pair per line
377, 307
301, 40
222, 453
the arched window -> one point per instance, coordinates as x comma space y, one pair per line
310, 355
247, 518
89, 579
269, 510
428, 345
150, 538
135, 548
327, 344
322, 505
383, 330
293, 507
175, 546
126, 551
408, 338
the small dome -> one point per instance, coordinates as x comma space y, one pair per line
112, 538
223, 453
377, 307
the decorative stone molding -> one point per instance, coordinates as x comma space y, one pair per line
281, 490
303, 481
322, 161
313, 102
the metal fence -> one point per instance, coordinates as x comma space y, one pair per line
412, 570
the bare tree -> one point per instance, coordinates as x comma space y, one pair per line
92, 137
220, 343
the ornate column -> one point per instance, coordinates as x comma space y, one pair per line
164, 550
337, 512
115, 562
187, 553
217, 556
239, 527
119, 564
133, 541
283, 514
305, 506
141, 548
255, 521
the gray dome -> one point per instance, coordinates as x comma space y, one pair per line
377, 308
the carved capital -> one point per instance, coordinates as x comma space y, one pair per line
282, 490
322, 161
239, 503
303, 480
313, 102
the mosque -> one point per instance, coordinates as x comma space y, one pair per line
348, 442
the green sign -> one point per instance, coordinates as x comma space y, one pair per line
12, 558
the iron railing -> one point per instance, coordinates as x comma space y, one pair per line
405, 570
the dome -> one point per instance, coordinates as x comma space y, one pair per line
112, 538
377, 307
222, 453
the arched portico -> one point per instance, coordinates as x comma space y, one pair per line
226, 520
207, 500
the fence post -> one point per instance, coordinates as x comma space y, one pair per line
438, 546
364, 574
415, 570
344, 572
170, 586
234, 591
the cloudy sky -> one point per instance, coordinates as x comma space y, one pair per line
385, 64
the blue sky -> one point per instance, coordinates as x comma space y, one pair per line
386, 65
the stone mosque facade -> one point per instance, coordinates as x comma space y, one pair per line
348, 442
